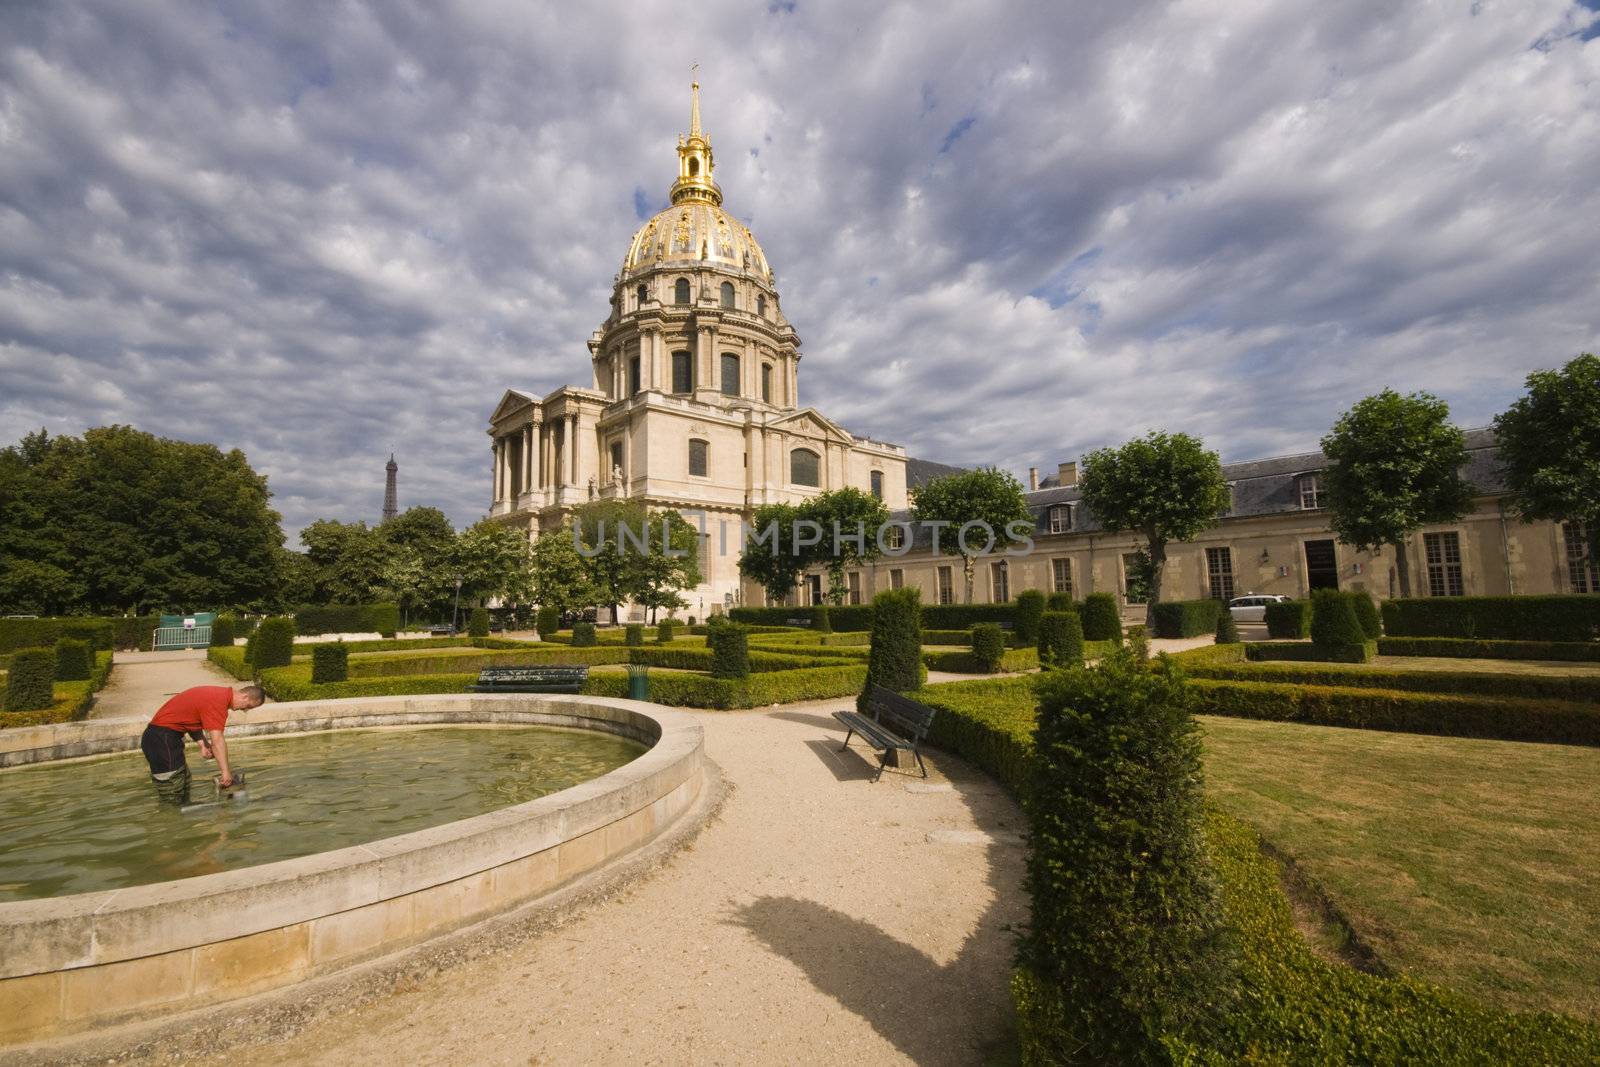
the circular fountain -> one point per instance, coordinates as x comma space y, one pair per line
367, 870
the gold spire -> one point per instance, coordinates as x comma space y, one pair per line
695, 161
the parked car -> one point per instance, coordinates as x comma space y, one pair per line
1252, 607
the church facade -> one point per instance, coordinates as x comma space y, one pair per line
695, 401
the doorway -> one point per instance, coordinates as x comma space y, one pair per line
1322, 565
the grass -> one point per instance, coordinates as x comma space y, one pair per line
1463, 862
1486, 666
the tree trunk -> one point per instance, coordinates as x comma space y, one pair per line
1158, 563
1402, 567
968, 565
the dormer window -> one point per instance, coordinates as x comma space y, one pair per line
1311, 497
1060, 518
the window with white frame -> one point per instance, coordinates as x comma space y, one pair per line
1061, 575
999, 582
1219, 573
1311, 497
1582, 568
896, 538
897, 578
1443, 552
946, 585
1061, 518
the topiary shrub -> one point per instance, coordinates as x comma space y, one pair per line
30, 684
222, 631
1366, 613
1025, 624
895, 659
330, 662
250, 648
1126, 948
134, 633
385, 619
664, 631
73, 660
1102, 621
633, 635
822, 619
1333, 620
273, 643
730, 650
1060, 602
1227, 629
547, 622
1186, 618
1060, 640
583, 635
1289, 619
988, 645
478, 623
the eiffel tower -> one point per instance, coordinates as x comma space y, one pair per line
391, 504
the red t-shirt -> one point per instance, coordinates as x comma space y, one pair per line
205, 707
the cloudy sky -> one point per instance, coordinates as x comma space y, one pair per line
1006, 232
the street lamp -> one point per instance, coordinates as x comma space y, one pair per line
455, 612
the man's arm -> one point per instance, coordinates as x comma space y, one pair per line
219, 747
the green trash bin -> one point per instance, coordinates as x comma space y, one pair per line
638, 682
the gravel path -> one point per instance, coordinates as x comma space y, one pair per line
820, 918
142, 681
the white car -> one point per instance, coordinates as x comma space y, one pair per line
1252, 607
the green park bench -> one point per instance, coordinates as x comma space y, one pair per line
897, 724
531, 680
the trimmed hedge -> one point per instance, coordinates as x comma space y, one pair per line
966, 616
330, 662
1025, 625
1334, 624
583, 635
1227, 629
311, 620
988, 645
30, 680
758, 690
1574, 617
1311, 653
73, 660
964, 662
1060, 602
385, 619
478, 623
1581, 688
1186, 618
633, 635
664, 631
729, 643
134, 633
821, 619
1060, 640
1496, 718
273, 643
547, 622
222, 631
1102, 621
28, 633
1289, 620
1466, 648
895, 659
989, 723
1366, 613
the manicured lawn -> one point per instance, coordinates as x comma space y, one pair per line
1474, 864
1485, 666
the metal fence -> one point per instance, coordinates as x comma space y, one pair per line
171, 637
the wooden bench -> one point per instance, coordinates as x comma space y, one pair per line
896, 724
531, 680
804, 624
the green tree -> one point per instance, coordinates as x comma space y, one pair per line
1163, 487
419, 548
983, 503
493, 561
1394, 466
670, 565
560, 575
1550, 447
850, 520
347, 562
120, 520
769, 556
609, 535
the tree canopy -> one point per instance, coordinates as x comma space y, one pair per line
987, 502
1550, 447
1394, 466
120, 520
1164, 487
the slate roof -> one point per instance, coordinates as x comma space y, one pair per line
1260, 487
920, 472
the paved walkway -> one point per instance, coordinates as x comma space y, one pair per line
820, 918
142, 681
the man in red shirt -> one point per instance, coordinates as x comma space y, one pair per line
202, 713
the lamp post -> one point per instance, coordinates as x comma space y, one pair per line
455, 612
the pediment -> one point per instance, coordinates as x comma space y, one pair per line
808, 422
514, 401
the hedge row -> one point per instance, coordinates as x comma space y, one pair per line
1496, 718
43, 633
1289, 620
1571, 687
858, 617
758, 690
965, 662
70, 700
347, 619
1186, 618
1311, 653
1503, 618
1467, 648
303, 651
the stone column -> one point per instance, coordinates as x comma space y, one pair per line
527, 458
791, 368
572, 446
499, 467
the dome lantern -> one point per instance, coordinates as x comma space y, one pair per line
695, 161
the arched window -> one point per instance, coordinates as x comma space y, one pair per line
643, 293
694, 166
633, 375
682, 373
766, 382
699, 458
761, 304
803, 464
730, 374
727, 294
877, 484
680, 291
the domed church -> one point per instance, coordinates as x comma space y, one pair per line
695, 403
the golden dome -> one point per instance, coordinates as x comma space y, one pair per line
695, 229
